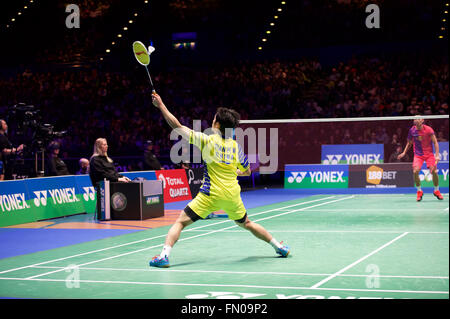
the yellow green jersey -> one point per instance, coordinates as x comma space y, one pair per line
222, 158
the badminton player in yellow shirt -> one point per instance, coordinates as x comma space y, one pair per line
220, 189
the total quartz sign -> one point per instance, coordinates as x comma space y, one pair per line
175, 184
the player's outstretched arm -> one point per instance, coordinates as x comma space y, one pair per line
170, 118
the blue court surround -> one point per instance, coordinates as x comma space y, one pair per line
21, 241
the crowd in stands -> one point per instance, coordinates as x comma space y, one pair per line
91, 104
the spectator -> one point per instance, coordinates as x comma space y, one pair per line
151, 162
55, 165
84, 166
394, 156
441, 137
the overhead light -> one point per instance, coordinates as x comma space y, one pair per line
275, 17
108, 50
272, 24
279, 9
259, 48
283, 2
268, 31
441, 37
263, 40
113, 43
125, 28
13, 19
135, 14
131, 21
19, 13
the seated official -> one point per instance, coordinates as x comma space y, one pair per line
101, 166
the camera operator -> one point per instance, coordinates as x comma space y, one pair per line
6, 149
55, 166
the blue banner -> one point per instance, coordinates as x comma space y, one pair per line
146, 175
352, 154
443, 151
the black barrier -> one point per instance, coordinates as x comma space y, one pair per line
380, 176
195, 177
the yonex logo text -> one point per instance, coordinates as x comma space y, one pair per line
352, 159
13, 202
89, 193
297, 177
58, 196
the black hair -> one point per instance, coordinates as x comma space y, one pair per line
227, 118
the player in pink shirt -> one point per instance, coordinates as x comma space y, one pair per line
421, 136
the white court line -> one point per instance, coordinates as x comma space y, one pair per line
373, 209
336, 231
155, 237
343, 119
236, 272
358, 261
225, 285
192, 237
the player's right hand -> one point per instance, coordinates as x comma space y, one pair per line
156, 100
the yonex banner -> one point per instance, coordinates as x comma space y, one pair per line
54, 196
443, 151
316, 176
30, 200
15, 204
380, 176
352, 154
87, 191
427, 179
